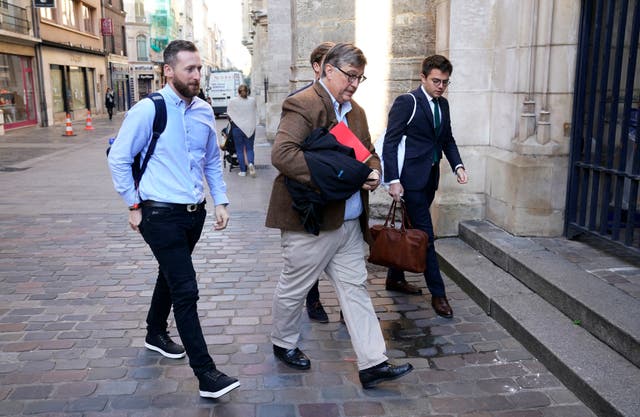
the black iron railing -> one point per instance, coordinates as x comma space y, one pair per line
604, 176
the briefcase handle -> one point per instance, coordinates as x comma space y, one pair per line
391, 216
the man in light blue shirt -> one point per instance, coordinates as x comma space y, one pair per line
168, 207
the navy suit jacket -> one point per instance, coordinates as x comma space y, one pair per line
421, 141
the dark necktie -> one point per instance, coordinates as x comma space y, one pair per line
436, 125
436, 115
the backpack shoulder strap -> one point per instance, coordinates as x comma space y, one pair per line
160, 119
159, 124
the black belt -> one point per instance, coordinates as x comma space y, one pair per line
188, 207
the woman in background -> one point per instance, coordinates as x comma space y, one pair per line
242, 113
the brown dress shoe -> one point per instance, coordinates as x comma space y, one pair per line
442, 307
403, 287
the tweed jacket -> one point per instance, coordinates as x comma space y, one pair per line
301, 114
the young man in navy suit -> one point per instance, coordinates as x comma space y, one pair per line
428, 136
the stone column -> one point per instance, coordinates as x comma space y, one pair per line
278, 59
514, 66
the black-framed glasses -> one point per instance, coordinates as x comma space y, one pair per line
351, 77
437, 82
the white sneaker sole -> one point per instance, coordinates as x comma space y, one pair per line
218, 394
165, 354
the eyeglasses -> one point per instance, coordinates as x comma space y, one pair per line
351, 77
437, 82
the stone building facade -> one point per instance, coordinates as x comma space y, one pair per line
511, 93
73, 60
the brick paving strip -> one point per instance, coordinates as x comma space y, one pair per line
75, 287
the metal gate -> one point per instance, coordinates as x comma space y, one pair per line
604, 170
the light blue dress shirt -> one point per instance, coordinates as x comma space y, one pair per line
353, 205
186, 153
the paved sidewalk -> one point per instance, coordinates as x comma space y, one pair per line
75, 284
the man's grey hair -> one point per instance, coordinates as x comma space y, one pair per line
343, 54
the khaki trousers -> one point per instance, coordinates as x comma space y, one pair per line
340, 254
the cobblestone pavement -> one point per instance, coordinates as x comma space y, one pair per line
75, 284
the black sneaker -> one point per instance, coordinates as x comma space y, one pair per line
214, 384
316, 313
163, 344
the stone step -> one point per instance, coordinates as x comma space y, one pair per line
604, 380
608, 313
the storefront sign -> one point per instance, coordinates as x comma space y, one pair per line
106, 25
44, 3
143, 67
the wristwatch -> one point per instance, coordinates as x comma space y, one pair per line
136, 206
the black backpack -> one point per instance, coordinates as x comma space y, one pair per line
159, 123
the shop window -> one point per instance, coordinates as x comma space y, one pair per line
57, 88
91, 82
11, 100
77, 98
16, 90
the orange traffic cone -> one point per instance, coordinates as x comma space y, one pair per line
88, 126
68, 131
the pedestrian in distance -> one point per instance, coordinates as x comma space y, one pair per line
338, 248
315, 309
242, 114
428, 136
168, 207
109, 102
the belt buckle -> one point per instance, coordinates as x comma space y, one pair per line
192, 207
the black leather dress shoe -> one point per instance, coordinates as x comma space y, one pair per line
370, 377
441, 307
402, 286
294, 358
317, 313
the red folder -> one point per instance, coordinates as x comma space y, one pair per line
345, 136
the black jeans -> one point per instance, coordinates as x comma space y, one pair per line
313, 296
172, 234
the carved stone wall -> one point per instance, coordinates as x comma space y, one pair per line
511, 92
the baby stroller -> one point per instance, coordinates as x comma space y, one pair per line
229, 149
